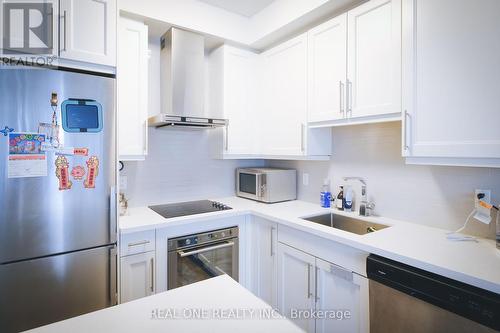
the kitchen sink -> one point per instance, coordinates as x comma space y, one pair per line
346, 223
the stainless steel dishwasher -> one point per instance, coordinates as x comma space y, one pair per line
410, 300
201, 256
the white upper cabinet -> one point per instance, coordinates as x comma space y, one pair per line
451, 80
283, 130
327, 70
232, 96
284, 105
88, 31
132, 90
374, 59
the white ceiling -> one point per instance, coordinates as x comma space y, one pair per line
246, 8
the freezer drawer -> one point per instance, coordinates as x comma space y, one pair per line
42, 291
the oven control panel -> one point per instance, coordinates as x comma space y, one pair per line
202, 238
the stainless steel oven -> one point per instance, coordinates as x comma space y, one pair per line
201, 256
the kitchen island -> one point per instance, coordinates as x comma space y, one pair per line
218, 304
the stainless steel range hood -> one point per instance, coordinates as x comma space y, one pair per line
182, 83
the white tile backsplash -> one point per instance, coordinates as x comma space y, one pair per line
432, 195
179, 167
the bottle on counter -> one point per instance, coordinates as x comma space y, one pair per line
326, 195
339, 203
348, 199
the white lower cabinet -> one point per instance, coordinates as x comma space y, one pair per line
341, 290
296, 285
263, 260
320, 296
137, 276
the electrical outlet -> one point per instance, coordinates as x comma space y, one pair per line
486, 198
305, 179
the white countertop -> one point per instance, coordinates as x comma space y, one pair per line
227, 307
475, 263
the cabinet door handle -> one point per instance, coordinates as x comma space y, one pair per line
145, 147
407, 119
144, 242
272, 241
226, 138
316, 271
63, 17
152, 274
349, 97
342, 273
341, 97
308, 280
302, 134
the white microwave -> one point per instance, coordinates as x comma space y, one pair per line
266, 184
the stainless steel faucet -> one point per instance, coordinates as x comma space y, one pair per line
365, 207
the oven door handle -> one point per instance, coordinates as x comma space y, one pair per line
204, 249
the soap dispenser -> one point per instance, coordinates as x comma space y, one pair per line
326, 195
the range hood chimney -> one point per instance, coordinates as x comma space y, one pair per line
182, 82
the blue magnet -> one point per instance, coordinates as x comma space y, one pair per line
6, 130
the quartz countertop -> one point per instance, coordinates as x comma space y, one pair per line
218, 304
474, 263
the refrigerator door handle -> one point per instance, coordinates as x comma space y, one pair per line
113, 282
112, 215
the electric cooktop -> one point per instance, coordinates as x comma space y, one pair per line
189, 208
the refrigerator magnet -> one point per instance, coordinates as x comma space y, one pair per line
81, 116
93, 171
81, 151
26, 157
6, 130
78, 172
62, 173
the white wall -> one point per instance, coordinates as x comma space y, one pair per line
432, 195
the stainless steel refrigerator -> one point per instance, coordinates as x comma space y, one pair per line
57, 247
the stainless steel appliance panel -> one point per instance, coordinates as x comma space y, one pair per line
45, 290
266, 184
394, 311
409, 299
36, 219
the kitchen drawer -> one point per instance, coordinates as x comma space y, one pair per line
137, 242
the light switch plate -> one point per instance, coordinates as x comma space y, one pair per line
305, 179
123, 183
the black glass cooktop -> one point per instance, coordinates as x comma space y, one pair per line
189, 208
